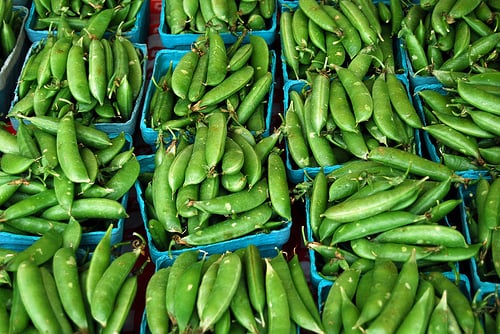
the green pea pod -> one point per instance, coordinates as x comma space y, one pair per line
108, 286
403, 160
231, 228
278, 319
320, 93
332, 310
49, 242
477, 97
360, 21
316, 13
258, 91
65, 273
97, 65
401, 300
288, 42
456, 299
230, 85
29, 205
34, 296
417, 320
278, 186
295, 139
359, 95
379, 223
453, 139
68, 154
155, 301
224, 287
58, 57
373, 204
216, 138
434, 235
252, 165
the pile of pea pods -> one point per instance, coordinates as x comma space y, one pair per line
391, 298
55, 170
318, 35
51, 287
108, 15
236, 78
463, 120
223, 185
98, 78
233, 292
451, 36
195, 16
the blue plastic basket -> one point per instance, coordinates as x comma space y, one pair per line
161, 65
89, 239
463, 283
428, 141
138, 33
127, 127
183, 41
10, 69
466, 194
297, 175
265, 242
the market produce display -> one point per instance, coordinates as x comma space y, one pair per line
100, 15
48, 179
390, 299
99, 79
223, 16
240, 291
343, 179
52, 288
212, 75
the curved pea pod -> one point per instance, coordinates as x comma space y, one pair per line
223, 289
108, 286
477, 50
97, 70
29, 205
68, 154
360, 21
35, 299
252, 165
278, 186
231, 228
320, 93
424, 235
359, 95
217, 59
256, 95
278, 317
385, 274
401, 300
372, 204
332, 311
154, 302
296, 142
230, 85
233, 158
183, 73
216, 138
400, 101
456, 299
240, 305
486, 120
430, 197
316, 12
454, 139
417, 165
49, 242
67, 281
123, 179
386, 221
236, 202
288, 42
382, 110
418, 317
185, 294
15, 163
478, 97
85, 208
76, 74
